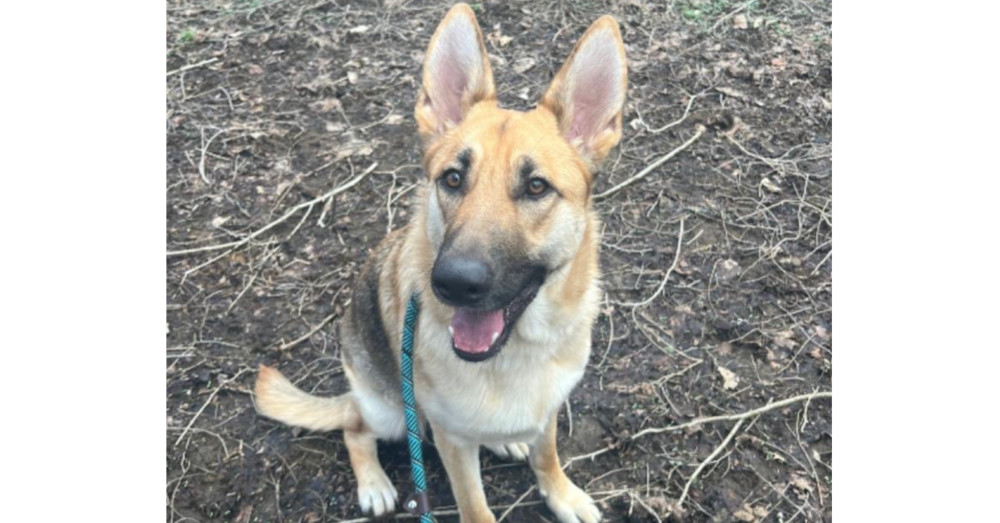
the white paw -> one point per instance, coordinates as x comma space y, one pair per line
376, 493
513, 451
572, 505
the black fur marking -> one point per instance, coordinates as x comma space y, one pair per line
371, 354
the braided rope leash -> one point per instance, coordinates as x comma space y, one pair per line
418, 503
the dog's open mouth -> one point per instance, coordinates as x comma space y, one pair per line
478, 335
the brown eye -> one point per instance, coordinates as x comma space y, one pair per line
537, 187
453, 179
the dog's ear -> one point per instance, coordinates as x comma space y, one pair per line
587, 96
457, 73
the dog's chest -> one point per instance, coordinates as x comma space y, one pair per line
503, 403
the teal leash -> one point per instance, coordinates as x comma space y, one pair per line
418, 503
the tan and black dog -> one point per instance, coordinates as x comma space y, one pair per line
504, 250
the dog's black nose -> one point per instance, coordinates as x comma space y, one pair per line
461, 280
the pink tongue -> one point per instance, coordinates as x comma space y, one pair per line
472, 330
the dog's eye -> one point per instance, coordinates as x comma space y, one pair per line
537, 187
452, 178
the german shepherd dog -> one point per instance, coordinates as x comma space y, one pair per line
503, 248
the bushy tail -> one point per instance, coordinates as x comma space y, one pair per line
278, 399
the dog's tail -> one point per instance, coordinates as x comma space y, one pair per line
278, 399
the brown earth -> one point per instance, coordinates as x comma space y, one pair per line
288, 100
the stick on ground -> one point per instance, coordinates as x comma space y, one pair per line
191, 66
670, 270
293, 210
701, 421
687, 486
651, 167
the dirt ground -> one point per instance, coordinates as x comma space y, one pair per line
271, 104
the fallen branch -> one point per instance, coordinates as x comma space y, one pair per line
702, 421
730, 14
663, 283
651, 167
734, 417
209, 400
204, 152
515, 503
191, 66
262, 230
678, 121
307, 335
687, 486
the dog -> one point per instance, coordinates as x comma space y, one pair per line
503, 248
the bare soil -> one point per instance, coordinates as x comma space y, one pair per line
288, 100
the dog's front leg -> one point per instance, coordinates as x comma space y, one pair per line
567, 501
461, 461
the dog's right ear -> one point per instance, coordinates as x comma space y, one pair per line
457, 74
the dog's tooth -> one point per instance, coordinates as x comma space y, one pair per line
495, 336
451, 330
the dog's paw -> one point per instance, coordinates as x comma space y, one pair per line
512, 451
376, 493
572, 505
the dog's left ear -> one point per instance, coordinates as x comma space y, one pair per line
587, 96
457, 74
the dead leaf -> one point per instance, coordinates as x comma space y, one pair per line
785, 340
729, 378
728, 269
744, 514
770, 186
320, 83
326, 105
740, 22
802, 486
353, 147
497, 38
335, 127
243, 516
521, 65
728, 91
658, 503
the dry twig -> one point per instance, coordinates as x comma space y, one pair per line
651, 167
262, 230
191, 66
701, 421
734, 417
687, 486
670, 270
202, 409
306, 336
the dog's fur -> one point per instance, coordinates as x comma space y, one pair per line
510, 402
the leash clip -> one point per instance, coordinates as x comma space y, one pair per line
417, 503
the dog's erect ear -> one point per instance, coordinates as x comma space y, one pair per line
457, 73
587, 96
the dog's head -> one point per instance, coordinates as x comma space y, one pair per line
510, 191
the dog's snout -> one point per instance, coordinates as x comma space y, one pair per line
461, 280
